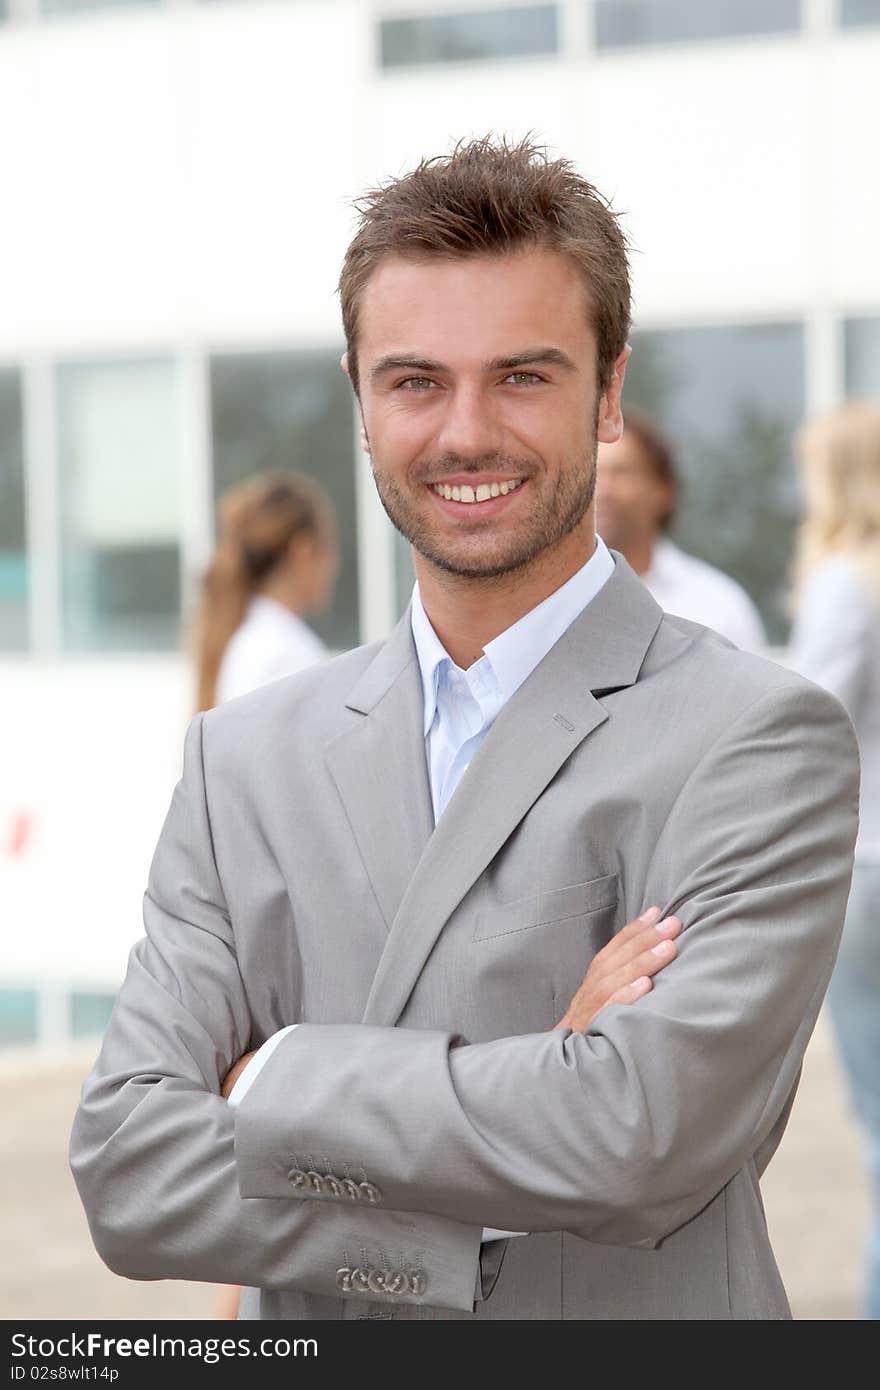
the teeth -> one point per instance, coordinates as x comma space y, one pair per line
482, 493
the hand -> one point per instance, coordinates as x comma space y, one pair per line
234, 1073
621, 972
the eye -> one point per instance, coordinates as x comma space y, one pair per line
415, 383
523, 378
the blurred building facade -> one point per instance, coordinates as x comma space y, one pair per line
177, 177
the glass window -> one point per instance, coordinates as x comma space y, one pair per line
18, 1016
730, 400
469, 36
13, 543
90, 1012
862, 357
118, 465
856, 12
293, 411
630, 23
80, 6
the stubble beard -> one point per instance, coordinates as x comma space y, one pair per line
548, 521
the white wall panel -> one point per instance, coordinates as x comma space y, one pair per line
706, 151
850, 188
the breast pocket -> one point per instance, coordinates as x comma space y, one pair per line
530, 955
543, 909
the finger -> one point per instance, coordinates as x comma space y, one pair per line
623, 951
637, 989
649, 918
649, 962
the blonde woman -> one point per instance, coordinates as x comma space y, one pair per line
836, 642
276, 559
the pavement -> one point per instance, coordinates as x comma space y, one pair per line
815, 1194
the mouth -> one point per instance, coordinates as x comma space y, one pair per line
475, 499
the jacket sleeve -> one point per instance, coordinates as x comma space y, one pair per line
623, 1133
152, 1148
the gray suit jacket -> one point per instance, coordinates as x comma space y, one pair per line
299, 877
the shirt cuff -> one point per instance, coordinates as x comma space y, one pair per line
255, 1066
247, 1078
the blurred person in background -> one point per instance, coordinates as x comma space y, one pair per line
836, 642
636, 494
276, 558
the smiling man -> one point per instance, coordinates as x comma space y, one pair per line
480, 962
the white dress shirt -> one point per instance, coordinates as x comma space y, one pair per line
460, 707
271, 642
690, 588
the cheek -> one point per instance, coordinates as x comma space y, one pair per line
398, 436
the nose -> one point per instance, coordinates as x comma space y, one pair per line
469, 426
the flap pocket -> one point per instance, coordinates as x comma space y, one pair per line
575, 900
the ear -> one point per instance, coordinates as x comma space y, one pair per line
610, 418
343, 362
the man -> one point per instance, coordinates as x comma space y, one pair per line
635, 502
431, 855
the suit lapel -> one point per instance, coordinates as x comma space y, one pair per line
380, 770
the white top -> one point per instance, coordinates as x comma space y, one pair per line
835, 642
461, 706
270, 642
690, 588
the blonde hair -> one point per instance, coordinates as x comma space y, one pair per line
255, 523
840, 461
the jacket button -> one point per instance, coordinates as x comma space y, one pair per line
376, 1280
297, 1178
417, 1282
396, 1282
369, 1192
343, 1279
331, 1185
360, 1279
350, 1188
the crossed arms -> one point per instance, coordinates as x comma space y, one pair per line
618, 1134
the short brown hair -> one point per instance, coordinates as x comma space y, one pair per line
489, 198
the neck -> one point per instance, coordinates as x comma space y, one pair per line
285, 589
467, 613
638, 551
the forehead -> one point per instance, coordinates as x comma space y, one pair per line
475, 307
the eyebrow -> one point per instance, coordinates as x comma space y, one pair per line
529, 357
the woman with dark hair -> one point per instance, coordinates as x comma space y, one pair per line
276, 558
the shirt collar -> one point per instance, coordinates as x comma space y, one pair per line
431, 654
514, 653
